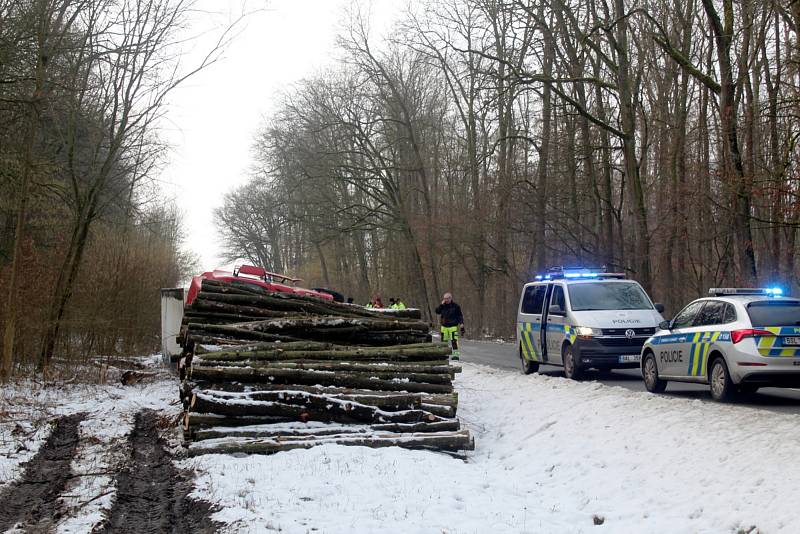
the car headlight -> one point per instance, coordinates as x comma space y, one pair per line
587, 331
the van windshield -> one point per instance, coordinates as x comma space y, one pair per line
608, 296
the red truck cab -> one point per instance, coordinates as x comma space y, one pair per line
256, 276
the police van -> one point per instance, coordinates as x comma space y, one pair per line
581, 319
736, 339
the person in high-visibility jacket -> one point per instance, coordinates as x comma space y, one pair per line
452, 321
399, 305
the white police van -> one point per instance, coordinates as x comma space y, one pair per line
581, 319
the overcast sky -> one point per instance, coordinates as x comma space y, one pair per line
212, 119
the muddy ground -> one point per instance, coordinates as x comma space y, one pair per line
151, 494
31, 503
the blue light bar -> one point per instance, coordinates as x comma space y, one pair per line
768, 291
580, 275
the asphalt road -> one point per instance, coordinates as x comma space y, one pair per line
504, 356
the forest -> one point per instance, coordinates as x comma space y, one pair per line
86, 235
479, 142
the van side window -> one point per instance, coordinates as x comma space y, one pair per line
533, 300
558, 299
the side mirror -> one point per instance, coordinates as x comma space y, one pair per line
659, 307
663, 325
555, 309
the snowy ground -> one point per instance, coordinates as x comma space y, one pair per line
27, 411
551, 456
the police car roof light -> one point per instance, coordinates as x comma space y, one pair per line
576, 273
767, 291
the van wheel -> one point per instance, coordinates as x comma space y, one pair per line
528, 366
722, 388
571, 368
652, 381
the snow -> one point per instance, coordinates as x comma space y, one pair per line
109, 410
550, 455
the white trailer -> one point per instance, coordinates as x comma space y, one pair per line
171, 316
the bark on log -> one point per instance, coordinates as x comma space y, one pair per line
311, 378
443, 399
275, 303
199, 338
312, 408
215, 318
391, 402
442, 441
437, 409
286, 431
287, 375
359, 324
204, 306
326, 351
235, 332
408, 313
193, 420
345, 366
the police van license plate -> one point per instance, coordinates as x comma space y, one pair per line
628, 358
793, 341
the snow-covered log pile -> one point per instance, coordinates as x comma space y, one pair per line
314, 372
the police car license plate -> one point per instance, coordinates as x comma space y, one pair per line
793, 341
627, 358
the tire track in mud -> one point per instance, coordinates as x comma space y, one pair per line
31, 503
152, 495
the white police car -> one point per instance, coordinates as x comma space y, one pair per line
580, 319
735, 339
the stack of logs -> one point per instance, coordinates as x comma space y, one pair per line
266, 372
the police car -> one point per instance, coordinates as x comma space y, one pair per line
736, 339
580, 319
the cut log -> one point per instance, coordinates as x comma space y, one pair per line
438, 409
333, 378
360, 324
314, 365
318, 351
311, 378
443, 441
284, 431
313, 408
214, 340
274, 302
216, 318
206, 306
192, 420
442, 399
390, 402
235, 332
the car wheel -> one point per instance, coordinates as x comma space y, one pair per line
528, 366
652, 381
722, 387
571, 368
